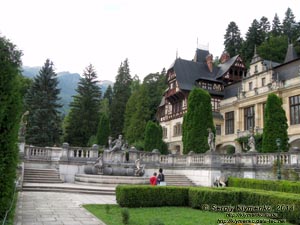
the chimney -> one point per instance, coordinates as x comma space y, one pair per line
224, 57
209, 62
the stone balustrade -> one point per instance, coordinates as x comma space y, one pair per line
83, 155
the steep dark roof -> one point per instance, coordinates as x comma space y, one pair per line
187, 72
288, 70
201, 55
231, 90
223, 68
290, 54
270, 64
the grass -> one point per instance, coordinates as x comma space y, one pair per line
168, 215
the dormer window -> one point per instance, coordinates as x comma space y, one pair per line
255, 69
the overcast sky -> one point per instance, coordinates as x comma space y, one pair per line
75, 33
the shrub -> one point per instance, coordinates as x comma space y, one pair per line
149, 196
271, 185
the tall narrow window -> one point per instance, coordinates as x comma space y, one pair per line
249, 118
250, 86
218, 129
165, 132
263, 81
295, 109
229, 122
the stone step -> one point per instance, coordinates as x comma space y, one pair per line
178, 180
32, 175
68, 189
105, 179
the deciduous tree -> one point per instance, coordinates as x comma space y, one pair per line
10, 110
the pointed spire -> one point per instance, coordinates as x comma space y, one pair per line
290, 54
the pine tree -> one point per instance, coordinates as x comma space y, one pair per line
83, 118
288, 25
233, 41
10, 110
42, 101
276, 26
254, 37
121, 94
103, 130
108, 94
275, 125
196, 121
264, 27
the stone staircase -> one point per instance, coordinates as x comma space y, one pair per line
178, 180
69, 188
41, 176
106, 180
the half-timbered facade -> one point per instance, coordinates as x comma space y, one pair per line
238, 96
182, 76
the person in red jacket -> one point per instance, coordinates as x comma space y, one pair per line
153, 179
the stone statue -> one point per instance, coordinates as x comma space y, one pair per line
109, 142
251, 143
99, 163
117, 144
23, 123
210, 140
139, 168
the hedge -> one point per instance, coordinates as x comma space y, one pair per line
287, 205
269, 185
151, 196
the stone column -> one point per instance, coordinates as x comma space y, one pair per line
64, 152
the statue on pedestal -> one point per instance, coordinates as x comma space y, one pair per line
251, 143
210, 139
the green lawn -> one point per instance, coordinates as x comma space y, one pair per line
167, 215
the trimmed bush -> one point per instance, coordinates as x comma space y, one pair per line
269, 185
286, 205
219, 196
151, 196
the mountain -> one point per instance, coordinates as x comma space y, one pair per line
67, 84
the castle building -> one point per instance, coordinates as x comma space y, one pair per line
238, 96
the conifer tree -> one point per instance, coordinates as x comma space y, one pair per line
103, 130
83, 118
42, 101
10, 110
288, 25
108, 94
276, 26
233, 41
275, 125
121, 94
196, 121
254, 37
